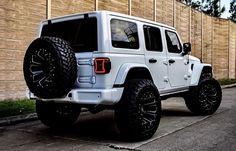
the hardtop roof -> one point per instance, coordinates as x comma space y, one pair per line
112, 14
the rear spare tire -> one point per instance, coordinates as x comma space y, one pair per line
50, 67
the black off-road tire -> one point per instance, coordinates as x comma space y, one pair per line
205, 98
50, 68
57, 115
139, 111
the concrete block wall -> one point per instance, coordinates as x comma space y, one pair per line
19, 20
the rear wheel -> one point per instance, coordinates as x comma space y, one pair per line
139, 111
205, 98
57, 115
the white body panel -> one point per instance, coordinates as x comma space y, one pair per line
88, 96
197, 70
124, 70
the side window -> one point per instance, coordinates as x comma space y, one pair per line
173, 43
152, 37
124, 34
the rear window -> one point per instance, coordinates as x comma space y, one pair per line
124, 34
80, 33
153, 39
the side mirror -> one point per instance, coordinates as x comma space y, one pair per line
187, 48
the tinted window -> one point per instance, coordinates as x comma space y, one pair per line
124, 34
81, 33
152, 38
173, 43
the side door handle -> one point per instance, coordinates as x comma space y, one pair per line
152, 60
171, 61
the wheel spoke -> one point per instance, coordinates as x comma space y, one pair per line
41, 54
147, 121
149, 114
46, 81
208, 97
212, 97
148, 108
42, 68
35, 61
42, 81
37, 75
150, 103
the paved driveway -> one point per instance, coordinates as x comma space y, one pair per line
178, 130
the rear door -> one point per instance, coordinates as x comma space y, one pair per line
155, 55
178, 64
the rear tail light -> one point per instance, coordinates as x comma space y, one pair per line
102, 65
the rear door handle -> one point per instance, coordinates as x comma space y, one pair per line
152, 60
171, 61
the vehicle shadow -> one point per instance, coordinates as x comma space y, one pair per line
102, 127
176, 112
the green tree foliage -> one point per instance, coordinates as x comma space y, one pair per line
188, 2
210, 7
196, 5
213, 8
232, 10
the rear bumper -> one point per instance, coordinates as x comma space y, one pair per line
88, 96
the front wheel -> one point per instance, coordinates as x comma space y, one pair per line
139, 111
205, 98
57, 115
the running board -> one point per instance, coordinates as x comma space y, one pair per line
173, 91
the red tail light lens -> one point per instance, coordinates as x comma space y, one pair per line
102, 65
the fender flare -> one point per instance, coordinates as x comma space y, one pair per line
124, 70
196, 73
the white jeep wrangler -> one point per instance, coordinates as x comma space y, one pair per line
105, 60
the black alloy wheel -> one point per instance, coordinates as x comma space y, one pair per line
205, 98
50, 67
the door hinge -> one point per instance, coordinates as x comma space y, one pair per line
185, 77
166, 79
165, 62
